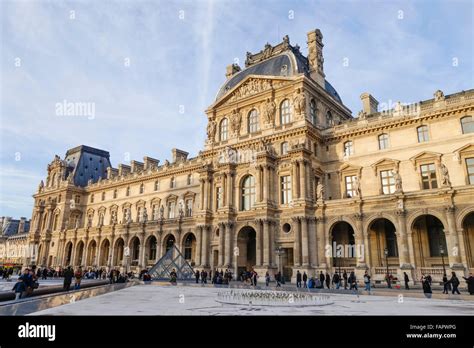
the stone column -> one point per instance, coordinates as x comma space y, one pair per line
259, 183
302, 173
224, 190
294, 181
266, 243
265, 183
452, 241
141, 256
228, 244
402, 242
230, 188
313, 260
297, 242
203, 194
205, 246
361, 239
222, 233
258, 242
321, 240
209, 194
304, 241
159, 246
198, 232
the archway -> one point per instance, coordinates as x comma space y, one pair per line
91, 254
118, 252
79, 253
429, 244
189, 248
135, 251
169, 242
150, 247
468, 230
343, 249
382, 238
247, 247
104, 253
68, 254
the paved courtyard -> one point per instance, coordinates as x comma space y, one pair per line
186, 300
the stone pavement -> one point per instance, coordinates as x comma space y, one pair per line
166, 299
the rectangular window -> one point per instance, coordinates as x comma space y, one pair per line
423, 134
428, 176
189, 207
351, 186
171, 209
470, 170
348, 149
388, 182
219, 197
383, 141
285, 188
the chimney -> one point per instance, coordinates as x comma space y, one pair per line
21, 225
369, 103
231, 70
315, 56
150, 162
179, 155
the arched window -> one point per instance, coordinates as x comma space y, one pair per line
92, 198
329, 119
422, 132
383, 141
467, 125
142, 188
53, 180
253, 125
348, 148
188, 247
103, 196
127, 192
284, 148
223, 128
248, 192
312, 111
189, 180
172, 182
115, 193
152, 253
157, 185
285, 112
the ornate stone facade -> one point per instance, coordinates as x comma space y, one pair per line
287, 179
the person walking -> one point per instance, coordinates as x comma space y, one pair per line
78, 278
321, 279
470, 283
406, 279
298, 279
445, 284
267, 279
305, 279
455, 283
367, 282
254, 276
352, 281
344, 276
278, 279
68, 275
426, 287
197, 277
388, 279
328, 280
336, 280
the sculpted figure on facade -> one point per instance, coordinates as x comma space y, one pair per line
41, 186
438, 95
211, 130
444, 176
145, 215
357, 186
236, 121
269, 110
299, 102
320, 191
398, 181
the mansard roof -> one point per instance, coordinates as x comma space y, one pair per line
281, 60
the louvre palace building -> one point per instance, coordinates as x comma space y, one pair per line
288, 179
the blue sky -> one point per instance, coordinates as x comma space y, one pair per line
178, 51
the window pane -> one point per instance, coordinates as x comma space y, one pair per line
467, 124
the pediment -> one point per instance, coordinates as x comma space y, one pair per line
171, 197
464, 151
385, 163
189, 194
251, 85
140, 203
425, 155
350, 168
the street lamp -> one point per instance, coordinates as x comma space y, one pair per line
386, 262
441, 251
280, 252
